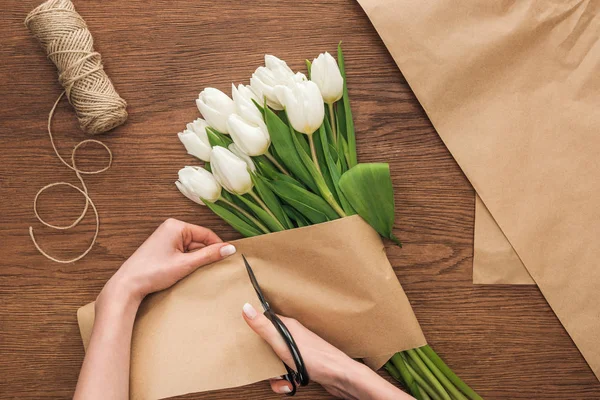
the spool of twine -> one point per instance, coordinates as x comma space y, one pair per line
64, 35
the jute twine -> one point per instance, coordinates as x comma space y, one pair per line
64, 35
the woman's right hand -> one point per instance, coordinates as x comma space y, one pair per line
335, 371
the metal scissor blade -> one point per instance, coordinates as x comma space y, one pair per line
259, 293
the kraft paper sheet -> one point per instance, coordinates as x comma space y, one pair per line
334, 277
513, 89
494, 259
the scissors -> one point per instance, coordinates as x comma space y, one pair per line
300, 376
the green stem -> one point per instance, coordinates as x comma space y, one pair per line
432, 355
424, 393
325, 192
264, 206
246, 214
333, 125
398, 362
427, 374
276, 163
313, 152
421, 381
445, 381
393, 371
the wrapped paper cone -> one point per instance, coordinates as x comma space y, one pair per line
495, 262
334, 278
513, 90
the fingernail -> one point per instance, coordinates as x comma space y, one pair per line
285, 389
249, 311
228, 250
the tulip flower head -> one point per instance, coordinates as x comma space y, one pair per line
198, 184
265, 79
195, 140
230, 171
242, 156
326, 74
215, 106
252, 138
303, 104
244, 106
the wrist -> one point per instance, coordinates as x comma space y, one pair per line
118, 296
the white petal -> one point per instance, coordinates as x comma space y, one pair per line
230, 171
242, 156
187, 194
253, 139
194, 145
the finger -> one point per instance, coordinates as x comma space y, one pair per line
265, 329
195, 246
199, 234
280, 386
208, 254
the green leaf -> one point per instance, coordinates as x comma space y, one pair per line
282, 177
273, 224
312, 206
349, 123
308, 68
236, 222
321, 145
368, 188
267, 195
216, 138
265, 167
323, 189
335, 174
296, 216
302, 141
284, 145
226, 196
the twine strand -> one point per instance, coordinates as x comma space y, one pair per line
84, 191
68, 43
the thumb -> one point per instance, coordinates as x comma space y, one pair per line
209, 254
265, 329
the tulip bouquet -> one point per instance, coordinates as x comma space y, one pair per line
284, 150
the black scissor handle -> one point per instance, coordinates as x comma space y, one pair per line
300, 376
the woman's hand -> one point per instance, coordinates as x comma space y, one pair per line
172, 252
335, 371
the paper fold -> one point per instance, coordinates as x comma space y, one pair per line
333, 277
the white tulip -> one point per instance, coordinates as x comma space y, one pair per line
252, 138
275, 72
195, 140
326, 74
197, 183
303, 104
242, 156
231, 172
215, 106
244, 107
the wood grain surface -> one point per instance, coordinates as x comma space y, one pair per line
503, 340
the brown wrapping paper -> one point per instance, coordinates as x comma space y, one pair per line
495, 261
513, 89
334, 278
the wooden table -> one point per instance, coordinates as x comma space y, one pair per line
503, 340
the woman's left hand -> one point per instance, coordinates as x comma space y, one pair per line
172, 252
